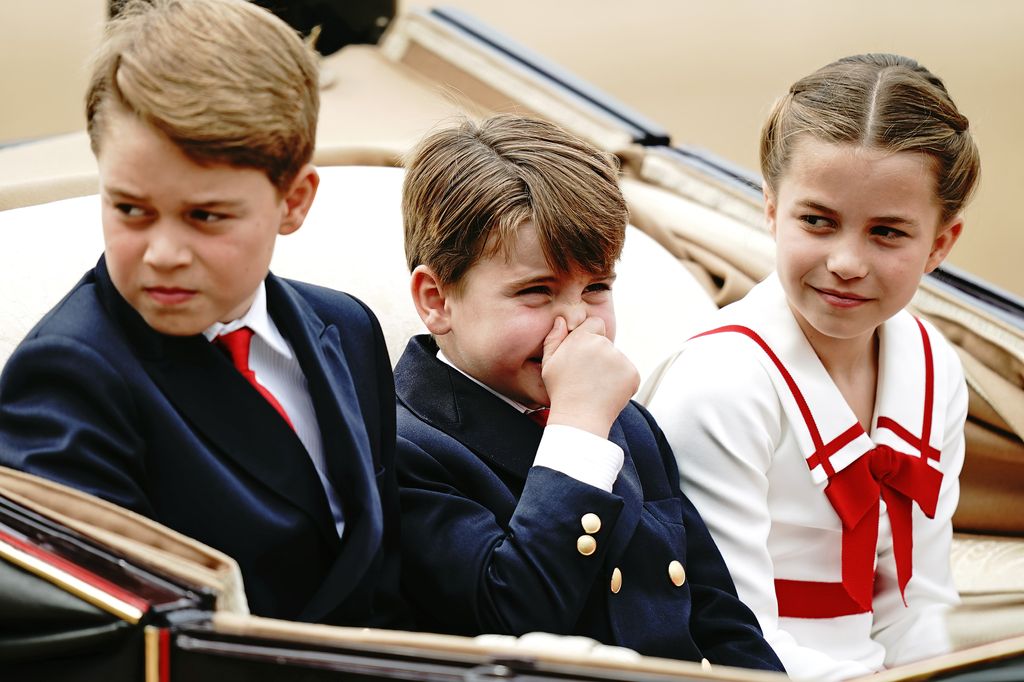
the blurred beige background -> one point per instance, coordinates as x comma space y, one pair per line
706, 71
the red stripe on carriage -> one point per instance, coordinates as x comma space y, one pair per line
165, 655
76, 571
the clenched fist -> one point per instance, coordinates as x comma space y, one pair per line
588, 380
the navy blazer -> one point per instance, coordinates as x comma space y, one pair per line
490, 541
96, 399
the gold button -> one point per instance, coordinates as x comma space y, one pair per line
591, 523
705, 664
616, 581
676, 573
586, 545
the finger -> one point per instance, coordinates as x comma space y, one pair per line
559, 330
592, 325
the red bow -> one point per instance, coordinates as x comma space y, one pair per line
854, 492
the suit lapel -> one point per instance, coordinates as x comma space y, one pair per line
206, 390
346, 445
457, 406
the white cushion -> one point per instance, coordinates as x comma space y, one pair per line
46, 249
351, 240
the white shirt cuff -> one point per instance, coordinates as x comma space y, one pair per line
580, 454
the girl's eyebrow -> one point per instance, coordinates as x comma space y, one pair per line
888, 219
815, 206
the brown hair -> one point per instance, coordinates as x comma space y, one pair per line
468, 188
225, 80
883, 101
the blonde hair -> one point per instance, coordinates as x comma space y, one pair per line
225, 80
468, 188
882, 101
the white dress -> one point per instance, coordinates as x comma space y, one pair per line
771, 455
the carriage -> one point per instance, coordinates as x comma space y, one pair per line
90, 590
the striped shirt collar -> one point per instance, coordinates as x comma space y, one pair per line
258, 319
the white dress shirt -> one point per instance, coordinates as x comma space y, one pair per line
277, 369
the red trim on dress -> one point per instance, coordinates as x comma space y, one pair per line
805, 410
855, 493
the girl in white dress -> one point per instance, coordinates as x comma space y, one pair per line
818, 425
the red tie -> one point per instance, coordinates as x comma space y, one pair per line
540, 415
237, 345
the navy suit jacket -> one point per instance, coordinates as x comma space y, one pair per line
96, 399
490, 542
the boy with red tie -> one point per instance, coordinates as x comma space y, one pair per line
577, 527
178, 378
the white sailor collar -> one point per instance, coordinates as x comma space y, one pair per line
833, 437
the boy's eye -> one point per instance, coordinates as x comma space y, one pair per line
540, 290
598, 286
201, 216
130, 210
888, 233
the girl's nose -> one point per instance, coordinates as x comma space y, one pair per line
846, 261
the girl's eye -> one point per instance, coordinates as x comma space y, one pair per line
599, 286
887, 233
539, 290
816, 221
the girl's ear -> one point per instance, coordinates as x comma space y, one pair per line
943, 244
430, 299
298, 198
769, 207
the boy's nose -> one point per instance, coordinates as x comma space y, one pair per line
574, 313
165, 251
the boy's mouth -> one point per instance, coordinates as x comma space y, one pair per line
169, 295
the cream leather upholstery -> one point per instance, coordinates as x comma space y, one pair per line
351, 240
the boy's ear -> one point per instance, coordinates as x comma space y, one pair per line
769, 207
429, 297
298, 198
943, 244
